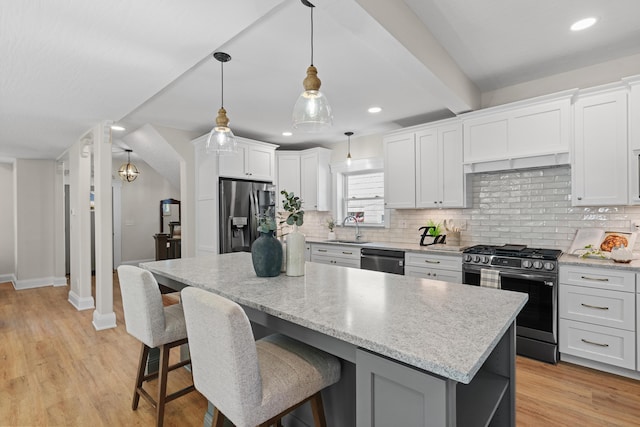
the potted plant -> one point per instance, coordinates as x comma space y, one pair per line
292, 204
266, 250
331, 224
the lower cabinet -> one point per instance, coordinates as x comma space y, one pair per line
342, 255
447, 268
597, 311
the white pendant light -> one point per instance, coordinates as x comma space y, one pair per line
128, 172
221, 139
348, 147
312, 112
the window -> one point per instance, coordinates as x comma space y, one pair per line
364, 197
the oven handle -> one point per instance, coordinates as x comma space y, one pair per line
527, 276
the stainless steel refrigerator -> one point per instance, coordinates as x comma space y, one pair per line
240, 202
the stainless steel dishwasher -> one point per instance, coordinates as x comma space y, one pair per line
388, 261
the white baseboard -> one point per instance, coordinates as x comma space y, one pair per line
136, 263
8, 278
104, 321
576, 360
39, 282
81, 303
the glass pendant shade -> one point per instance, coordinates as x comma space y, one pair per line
221, 139
128, 172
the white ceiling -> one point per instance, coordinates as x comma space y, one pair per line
68, 64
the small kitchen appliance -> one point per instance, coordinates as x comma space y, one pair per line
530, 270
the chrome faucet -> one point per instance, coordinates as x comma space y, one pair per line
355, 220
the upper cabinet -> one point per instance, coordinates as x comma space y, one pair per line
524, 134
634, 139
423, 167
599, 170
254, 161
306, 173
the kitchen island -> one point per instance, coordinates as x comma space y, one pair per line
424, 352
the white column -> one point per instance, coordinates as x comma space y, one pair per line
116, 188
80, 223
60, 278
104, 316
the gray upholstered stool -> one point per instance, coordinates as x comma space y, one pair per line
155, 326
251, 382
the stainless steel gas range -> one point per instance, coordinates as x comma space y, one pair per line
523, 269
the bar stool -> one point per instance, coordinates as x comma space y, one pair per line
252, 383
155, 326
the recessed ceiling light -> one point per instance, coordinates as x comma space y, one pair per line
116, 127
583, 24
287, 133
374, 110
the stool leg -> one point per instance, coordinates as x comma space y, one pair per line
218, 418
144, 353
162, 383
318, 410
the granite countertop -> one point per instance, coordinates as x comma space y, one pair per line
567, 259
444, 328
407, 247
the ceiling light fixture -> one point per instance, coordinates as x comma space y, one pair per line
374, 110
221, 139
312, 112
128, 171
117, 127
348, 147
583, 24
286, 133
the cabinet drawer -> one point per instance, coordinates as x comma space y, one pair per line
597, 306
608, 345
601, 278
342, 262
443, 262
434, 274
335, 250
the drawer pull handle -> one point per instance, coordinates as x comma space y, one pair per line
595, 343
347, 253
594, 306
322, 250
597, 279
431, 262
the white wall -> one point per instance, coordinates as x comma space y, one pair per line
365, 147
35, 191
141, 213
7, 256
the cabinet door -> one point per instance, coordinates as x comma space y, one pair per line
399, 171
599, 172
540, 129
309, 181
260, 163
428, 164
288, 167
486, 138
233, 165
452, 175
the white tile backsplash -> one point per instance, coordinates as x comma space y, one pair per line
531, 207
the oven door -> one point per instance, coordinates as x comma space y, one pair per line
538, 318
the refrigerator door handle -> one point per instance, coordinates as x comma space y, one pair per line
253, 221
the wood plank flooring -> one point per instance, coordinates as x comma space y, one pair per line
56, 370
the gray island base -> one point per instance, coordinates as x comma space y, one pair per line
415, 352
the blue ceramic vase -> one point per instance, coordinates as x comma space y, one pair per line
266, 254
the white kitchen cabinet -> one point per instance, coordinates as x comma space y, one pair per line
254, 161
306, 173
447, 268
399, 171
634, 139
342, 255
525, 134
440, 179
597, 311
600, 157
423, 167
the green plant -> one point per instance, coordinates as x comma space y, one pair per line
437, 228
266, 221
331, 224
293, 205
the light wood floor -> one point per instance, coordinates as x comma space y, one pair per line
56, 370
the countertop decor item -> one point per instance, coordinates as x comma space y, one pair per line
266, 251
621, 254
221, 140
331, 224
295, 239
